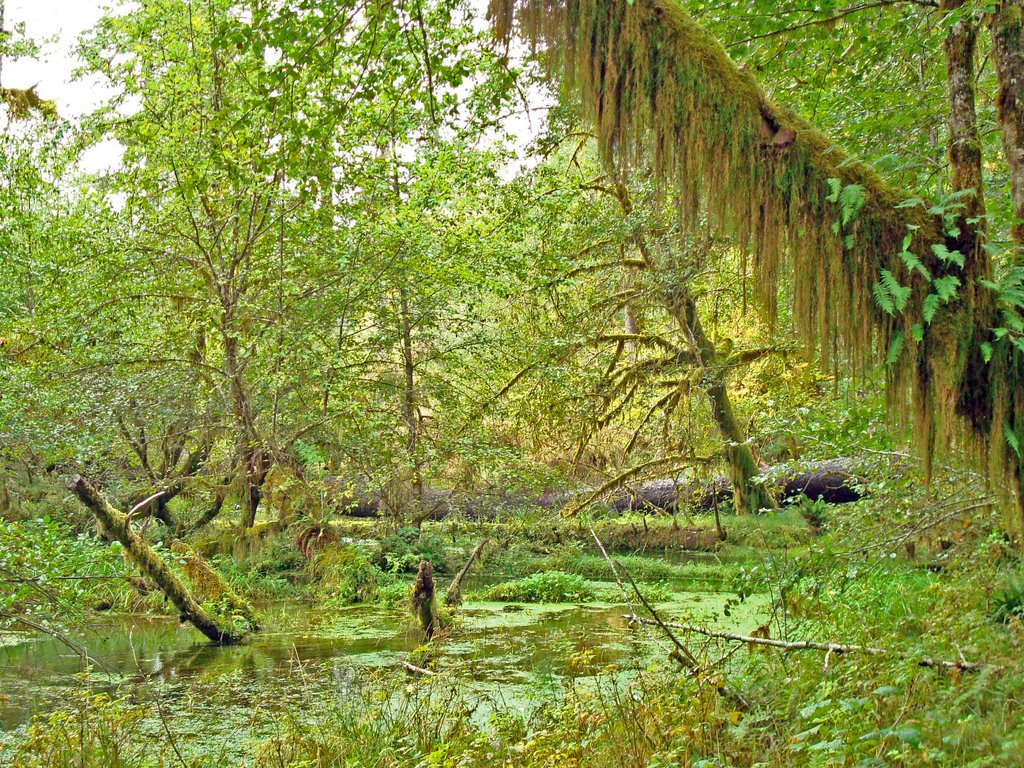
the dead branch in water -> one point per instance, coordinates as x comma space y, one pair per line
454, 594
810, 645
115, 525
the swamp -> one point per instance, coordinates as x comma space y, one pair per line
524, 383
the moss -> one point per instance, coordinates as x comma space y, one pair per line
212, 590
661, 90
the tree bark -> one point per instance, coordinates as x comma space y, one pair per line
1005, 25
422, 602
116, 526
964, 144
965, 159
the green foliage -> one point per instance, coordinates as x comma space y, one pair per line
48, 572
543, 587
93, 731
1008, 602
401, 552
814, 512
344, 574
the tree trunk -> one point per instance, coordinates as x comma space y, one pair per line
964, 144
257, 464
1005, 24
254, 461
170, 489
749, 495
422, 602
116, 526
218, 504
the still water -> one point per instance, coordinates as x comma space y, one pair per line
499, 656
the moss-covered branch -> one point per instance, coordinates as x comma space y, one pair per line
661, 90
115, 525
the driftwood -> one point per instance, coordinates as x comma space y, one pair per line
454, 594
809, 645
115, 525
412, 668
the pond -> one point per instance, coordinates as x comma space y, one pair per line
498, 656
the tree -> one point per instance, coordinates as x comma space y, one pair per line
656, 84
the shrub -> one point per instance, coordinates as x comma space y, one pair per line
402, 552
92, 731
345, 574
544, 587
1008, 602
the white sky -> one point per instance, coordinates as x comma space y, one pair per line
56, 24
62, 20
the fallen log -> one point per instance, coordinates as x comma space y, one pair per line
210, 587
115, 525
834, 482
810, 645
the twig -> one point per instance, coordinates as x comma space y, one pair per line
830, 648
144, 502
417, 670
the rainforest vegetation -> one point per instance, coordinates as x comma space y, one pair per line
525, 383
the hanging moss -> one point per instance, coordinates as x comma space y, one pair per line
661, 90
210, 588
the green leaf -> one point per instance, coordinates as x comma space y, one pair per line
946, 287
912, 263
835, 185
1011, 440
948, 256
899, 293
883, 298
908, 734
986, 351
895, 348
931, 306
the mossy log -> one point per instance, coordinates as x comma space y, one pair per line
115, 525
209, 586
833, 481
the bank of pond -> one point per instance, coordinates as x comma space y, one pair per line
336, 628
